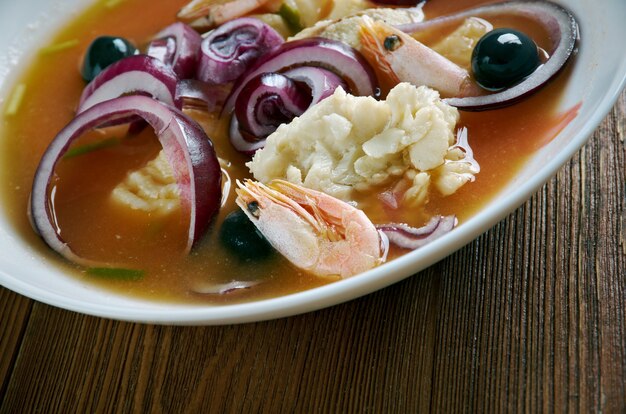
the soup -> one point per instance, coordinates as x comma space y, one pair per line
154, 244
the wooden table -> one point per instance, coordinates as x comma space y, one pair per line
530, 316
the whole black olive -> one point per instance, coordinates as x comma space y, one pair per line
504, 57
239, 235
102, 52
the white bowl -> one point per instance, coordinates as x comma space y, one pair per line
598, 77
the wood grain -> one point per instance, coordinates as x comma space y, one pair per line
530, 317
14, 313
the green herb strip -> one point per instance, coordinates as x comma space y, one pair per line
109, 4
291, 17
59, 47
15, 101
116, 273
87, 148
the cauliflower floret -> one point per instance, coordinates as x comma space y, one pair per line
321, 146
347, 143
417, 194
152, 188
452, 175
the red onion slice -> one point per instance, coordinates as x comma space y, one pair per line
240, 143
558, 22
197, 94
462, 143
163, 49
267, 101
412, 238
187, 148
252, 122
223, 288
321, 82
140, 74
228, 51
182, 47
332, 55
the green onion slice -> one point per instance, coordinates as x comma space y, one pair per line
291, 17
15, 101
58, 47
87, 148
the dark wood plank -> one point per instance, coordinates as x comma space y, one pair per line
106, 366
14, 312
531, 316
550, 328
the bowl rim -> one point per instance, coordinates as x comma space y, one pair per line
346, 289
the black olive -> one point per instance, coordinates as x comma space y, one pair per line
504, 57
102, 52
239, 235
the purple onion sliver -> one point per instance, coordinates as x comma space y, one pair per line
230, 49
186, 48
188, 150
412, 238
329, 54
267, 101
462, 143
195, 93
223, 288
163, 49
253, 122
558, 22
140, 74
240, 143
250, 123
321, 82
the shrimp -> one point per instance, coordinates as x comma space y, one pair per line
314, 231
404, 59
211, 13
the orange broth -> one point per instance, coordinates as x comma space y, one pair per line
502, 141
